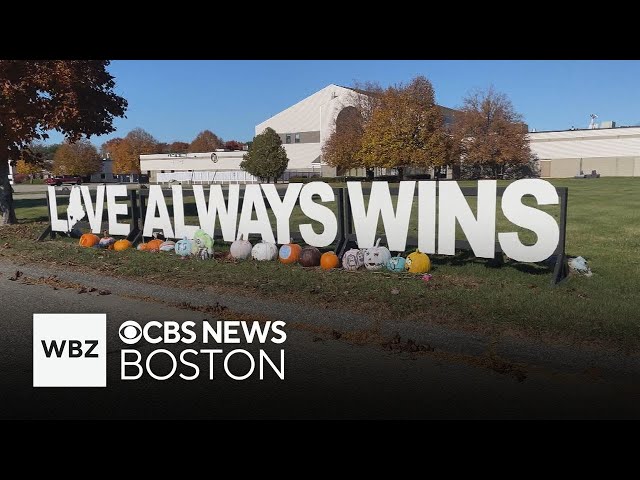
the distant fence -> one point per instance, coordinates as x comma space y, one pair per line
206, 177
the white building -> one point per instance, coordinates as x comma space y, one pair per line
10, 174
611, 152
210, 167
306, 126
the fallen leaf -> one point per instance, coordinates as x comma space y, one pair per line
395, 291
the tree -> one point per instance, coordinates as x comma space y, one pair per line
80, 158
35, 158
74, 97
205, 141
126, 154
178, 147
27, 168
490, 135
233, 145
406, 129
341, 148
108, 147
266, 157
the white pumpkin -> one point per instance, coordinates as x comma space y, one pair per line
240, 249
264, 251
352, 259
375, 258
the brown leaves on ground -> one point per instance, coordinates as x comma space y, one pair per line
16, 276
56, 283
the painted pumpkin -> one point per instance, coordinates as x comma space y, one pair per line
353, 259
89, 240
417, 262
396, 264
183, 247
240, 249
106, 241
329, 260
202, 246
168, 246
121, 245
289, 252
375, 258
154, 245
310, 257
264, 251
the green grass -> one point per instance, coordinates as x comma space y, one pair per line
603, 226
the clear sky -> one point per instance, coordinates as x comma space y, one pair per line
174, 100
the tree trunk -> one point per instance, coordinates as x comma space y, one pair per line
369, 172
6, 192
400, 173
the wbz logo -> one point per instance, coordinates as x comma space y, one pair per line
69, 350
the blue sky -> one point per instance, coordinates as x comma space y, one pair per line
174, 100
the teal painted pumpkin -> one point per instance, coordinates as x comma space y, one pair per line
396, 264
183, 247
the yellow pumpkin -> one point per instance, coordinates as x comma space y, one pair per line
89, 240
120, 245
417, 262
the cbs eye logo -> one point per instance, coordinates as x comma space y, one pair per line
130, 332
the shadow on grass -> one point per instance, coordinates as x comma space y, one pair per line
466, 257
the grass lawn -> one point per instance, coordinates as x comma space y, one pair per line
603, 226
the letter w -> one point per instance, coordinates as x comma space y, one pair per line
54, 346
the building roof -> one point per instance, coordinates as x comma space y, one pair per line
586, 143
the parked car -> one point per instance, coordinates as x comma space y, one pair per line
57, 181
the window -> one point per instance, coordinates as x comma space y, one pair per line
297, 138
287, 138
102, 176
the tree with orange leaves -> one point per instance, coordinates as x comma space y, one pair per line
75, 97
490, 136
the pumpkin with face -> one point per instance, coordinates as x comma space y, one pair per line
202, 246
375, 258
396, 264
353, 259
417, 262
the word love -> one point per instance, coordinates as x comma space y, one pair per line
445, 208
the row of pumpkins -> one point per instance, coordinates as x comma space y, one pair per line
374, 258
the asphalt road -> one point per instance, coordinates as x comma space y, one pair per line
325, 377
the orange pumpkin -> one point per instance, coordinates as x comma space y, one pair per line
289, 252
89, 240
120, 245
329, 260
154, 245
